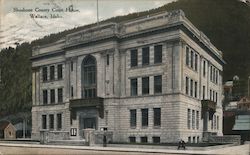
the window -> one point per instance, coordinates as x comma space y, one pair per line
145, 85
195, 62
204, 68
51, 121
72, 66
107, 60
59, 71
203, 92
156, 140
210, 95
187, 56
59, 121
195, 89
216, 97
213, 96
193, 139
157, 116
198, 139
212, 123
216, 77
89, 76
72, 91
211, 73
193, 119
192, 59
187, 83
144, 117
133, 83
45, 97
191, 87
145, 56
189, 119
133, 118
189, 139
60, 95
158, 54
45, 74
132, 139
52, 96
197, 120
52, 72
44, 121
144, 139
134, 57
158, 84
217, 122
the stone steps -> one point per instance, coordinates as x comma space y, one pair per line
69, 142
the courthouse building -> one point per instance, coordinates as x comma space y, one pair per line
152, 79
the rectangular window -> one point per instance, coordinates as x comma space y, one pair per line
195, 89
51, 121
195, 62
204, 68
217, 122
134, 57
144, 117
157, 116
216, 97
191, 87
197, 120
133, 83
52, 72
72, 66
45, 97
189, 119
59, 121
213, 96
144, 139
133, 118
107, 60
132, 139
52, 96
216, 77
72, 91
157, 54
44, 121
45, 74
203, 92
145, 85
193, 119
187, 84
210, 95
187, 56
156, 140
189, 139
158, 84
212, 123
145, 56
192, 59
211, 73
60, 95
59, 71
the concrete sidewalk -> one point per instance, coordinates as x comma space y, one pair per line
234, 150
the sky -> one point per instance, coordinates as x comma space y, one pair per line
27, 20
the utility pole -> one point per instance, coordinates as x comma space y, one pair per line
97, 12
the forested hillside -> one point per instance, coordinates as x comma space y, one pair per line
225, 22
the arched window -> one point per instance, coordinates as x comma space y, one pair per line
89, 77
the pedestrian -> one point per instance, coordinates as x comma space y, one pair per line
181, 144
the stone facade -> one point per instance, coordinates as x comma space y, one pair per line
111, 45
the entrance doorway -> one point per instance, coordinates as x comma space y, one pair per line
88, 123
